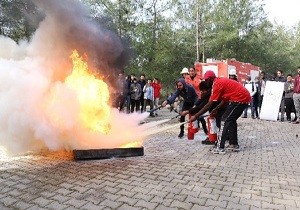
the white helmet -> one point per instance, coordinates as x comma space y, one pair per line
184, 71
232, 72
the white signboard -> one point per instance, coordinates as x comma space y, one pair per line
271, 101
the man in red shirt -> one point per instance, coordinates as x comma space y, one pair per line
157, 88
296, 95
227, 91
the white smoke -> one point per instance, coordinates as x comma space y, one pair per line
30, 72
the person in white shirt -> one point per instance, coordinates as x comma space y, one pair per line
252, 88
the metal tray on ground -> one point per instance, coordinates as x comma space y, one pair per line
108, 153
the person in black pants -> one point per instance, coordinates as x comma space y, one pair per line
189, 95
205, 95
227, 91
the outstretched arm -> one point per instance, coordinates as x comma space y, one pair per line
202, 111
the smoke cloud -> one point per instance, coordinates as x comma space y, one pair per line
31, 72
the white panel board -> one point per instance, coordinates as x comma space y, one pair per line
272, 99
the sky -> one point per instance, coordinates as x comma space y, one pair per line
285, 12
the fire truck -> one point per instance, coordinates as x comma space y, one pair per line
229, 66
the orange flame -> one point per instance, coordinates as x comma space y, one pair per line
132, 144
93, 96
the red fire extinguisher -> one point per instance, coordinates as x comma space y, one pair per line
212, 128
192, 128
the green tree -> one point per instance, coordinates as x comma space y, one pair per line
18, 19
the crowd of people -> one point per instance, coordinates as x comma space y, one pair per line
136, 94
226, 99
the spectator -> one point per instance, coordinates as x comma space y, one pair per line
296, 95
252, 88
281, 78
148, 96
255, 100
157, 89
288, 98
194, 79
185, 73
142, 83
261, 88
127, 93
232, 74
121, 98
135, 95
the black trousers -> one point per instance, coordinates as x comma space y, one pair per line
289, 107
233, 112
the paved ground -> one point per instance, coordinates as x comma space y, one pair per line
173, 174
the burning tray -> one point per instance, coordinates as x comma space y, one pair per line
108, 153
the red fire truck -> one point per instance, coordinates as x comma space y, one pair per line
223, 68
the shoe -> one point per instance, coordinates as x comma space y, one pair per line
180, 135
234, 148
152, 115
295, 119
218, 151
244, 116
207, 142
156, 114
296, 122
252, 117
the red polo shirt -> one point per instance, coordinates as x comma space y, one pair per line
229, 90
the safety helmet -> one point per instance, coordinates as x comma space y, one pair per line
184, 71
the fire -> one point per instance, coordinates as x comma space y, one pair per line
93, 96
132, 145
81, 104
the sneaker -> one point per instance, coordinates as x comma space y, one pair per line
234, 148
218, 151
180, 135
207, 142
